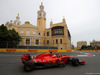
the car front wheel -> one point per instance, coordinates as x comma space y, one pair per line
75, 61
29, 65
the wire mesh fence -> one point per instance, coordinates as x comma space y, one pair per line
33, 45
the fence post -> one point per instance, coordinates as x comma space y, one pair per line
65, 45
48, 45
57, 45
17, 46
38, 45
27, 46
7, 45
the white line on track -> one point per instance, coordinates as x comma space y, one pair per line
84, 55
93, 73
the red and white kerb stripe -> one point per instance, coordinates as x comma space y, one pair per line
84, 55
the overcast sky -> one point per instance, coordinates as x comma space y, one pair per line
82, 16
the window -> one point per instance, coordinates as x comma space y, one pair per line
60, 41
27, 32
34, 32
39, 33
27, 41
47, 42
58, 30
37, 41
47, 33
44, 42
56, 41
21, 31
53, 41
44, 34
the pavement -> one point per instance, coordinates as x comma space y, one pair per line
10, 64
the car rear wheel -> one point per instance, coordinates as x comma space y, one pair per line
75, 61
29, 65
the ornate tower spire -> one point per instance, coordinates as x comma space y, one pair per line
41, 12
17, 17
51, 22
17, 21
63, 20
41, 6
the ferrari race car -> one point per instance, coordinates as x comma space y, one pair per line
45, 60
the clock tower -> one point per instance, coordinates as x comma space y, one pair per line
41, 19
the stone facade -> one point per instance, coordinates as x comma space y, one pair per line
95, 43
57, 35
81, 43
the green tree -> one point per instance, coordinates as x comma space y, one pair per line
84, 47
3, 33
8, 38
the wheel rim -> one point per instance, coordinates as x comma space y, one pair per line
28, 67
77, 62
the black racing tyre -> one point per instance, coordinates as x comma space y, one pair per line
29, 65
63, 65
75, 61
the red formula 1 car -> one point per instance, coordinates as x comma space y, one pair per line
48, 59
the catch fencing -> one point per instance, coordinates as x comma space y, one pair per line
34, 45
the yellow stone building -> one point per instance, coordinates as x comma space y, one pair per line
95, 43
81, 43
57, 35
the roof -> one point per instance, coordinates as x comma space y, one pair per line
27, 24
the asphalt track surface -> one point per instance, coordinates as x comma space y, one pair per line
10, 64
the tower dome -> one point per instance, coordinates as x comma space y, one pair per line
41, 13
17, 17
